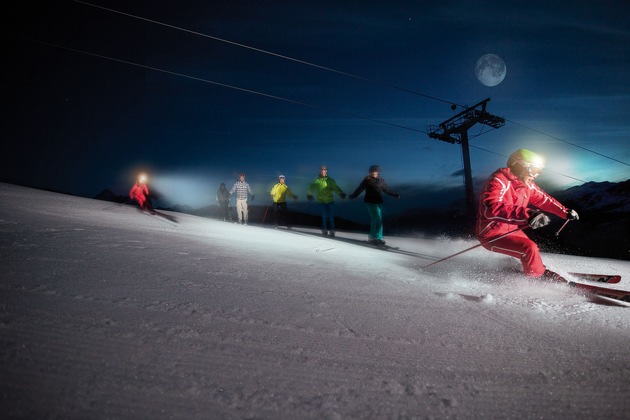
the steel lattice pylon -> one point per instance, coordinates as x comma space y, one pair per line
455, 130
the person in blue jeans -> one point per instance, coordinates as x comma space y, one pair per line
374, 186
323, 187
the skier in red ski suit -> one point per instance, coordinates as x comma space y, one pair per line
140, 193
503, 207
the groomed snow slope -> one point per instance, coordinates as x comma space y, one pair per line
106, 312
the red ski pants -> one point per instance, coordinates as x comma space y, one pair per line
518, 245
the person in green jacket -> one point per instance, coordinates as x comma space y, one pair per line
324, 187
279, 194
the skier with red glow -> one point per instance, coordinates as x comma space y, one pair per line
504, 208
140, 193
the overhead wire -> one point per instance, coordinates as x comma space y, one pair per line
381, 83
284, 57
251, 91
568, 142
212, 82
312, 65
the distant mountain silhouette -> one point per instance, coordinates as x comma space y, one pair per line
604, 226
598, 196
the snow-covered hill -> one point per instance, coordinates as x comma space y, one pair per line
107, 312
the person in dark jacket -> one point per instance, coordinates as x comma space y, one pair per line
223, 197
374, 186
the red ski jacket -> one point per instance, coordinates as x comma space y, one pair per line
139, 192
504, 201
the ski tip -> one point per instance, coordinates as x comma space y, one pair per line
598, 278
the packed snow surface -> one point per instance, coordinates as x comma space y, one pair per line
107, 312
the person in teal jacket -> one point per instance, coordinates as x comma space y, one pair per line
323, 187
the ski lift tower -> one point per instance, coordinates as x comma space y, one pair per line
455, 130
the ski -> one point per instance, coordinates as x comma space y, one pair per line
614, 294
599, 278
383, 246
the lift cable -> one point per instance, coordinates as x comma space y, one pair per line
212, 82
285, 57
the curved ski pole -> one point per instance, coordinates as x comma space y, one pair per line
476, 246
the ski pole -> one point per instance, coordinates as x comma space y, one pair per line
265, 215
562, 227
477, 246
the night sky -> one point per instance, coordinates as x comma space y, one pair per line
195, 92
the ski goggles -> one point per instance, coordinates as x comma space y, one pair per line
533, 170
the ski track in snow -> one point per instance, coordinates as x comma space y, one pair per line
109, 313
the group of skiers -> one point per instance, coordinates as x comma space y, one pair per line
321, 189
504, 207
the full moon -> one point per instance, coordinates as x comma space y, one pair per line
490, 69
